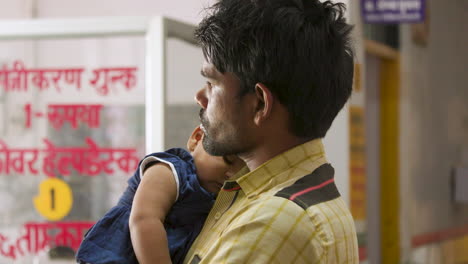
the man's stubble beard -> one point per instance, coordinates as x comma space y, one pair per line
228, 144
222, 148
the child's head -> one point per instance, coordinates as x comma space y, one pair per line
212, 171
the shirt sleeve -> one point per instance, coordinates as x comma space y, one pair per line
151, 160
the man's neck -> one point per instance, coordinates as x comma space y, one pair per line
269, 150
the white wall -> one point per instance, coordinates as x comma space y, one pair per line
189, 11
15, 9
337, 139
434, 119
336, 145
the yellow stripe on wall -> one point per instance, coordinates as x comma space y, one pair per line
357, 172
389, 161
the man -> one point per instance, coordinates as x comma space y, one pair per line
277, 72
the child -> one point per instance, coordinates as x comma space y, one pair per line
165, 205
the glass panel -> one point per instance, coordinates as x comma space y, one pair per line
72, 125
184, 63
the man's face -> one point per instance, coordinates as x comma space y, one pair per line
224, 116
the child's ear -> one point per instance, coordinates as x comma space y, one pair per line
194, 139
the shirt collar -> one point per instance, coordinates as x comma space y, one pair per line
260, 179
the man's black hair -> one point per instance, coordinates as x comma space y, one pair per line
300, 49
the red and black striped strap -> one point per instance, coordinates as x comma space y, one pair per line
312, 189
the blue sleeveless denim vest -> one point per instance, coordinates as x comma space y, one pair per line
108, 241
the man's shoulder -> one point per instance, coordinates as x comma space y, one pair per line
296, 200
312, 189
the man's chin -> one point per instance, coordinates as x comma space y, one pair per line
213, 148
219, 149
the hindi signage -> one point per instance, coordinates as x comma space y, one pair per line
39, 236
393, 11
82, 137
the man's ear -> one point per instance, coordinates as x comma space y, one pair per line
264, 106
194, 139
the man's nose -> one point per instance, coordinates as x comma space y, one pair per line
201, 99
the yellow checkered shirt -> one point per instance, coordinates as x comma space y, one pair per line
250, 223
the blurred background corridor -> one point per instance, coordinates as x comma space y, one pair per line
80, 79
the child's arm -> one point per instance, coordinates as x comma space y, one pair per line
154, 197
